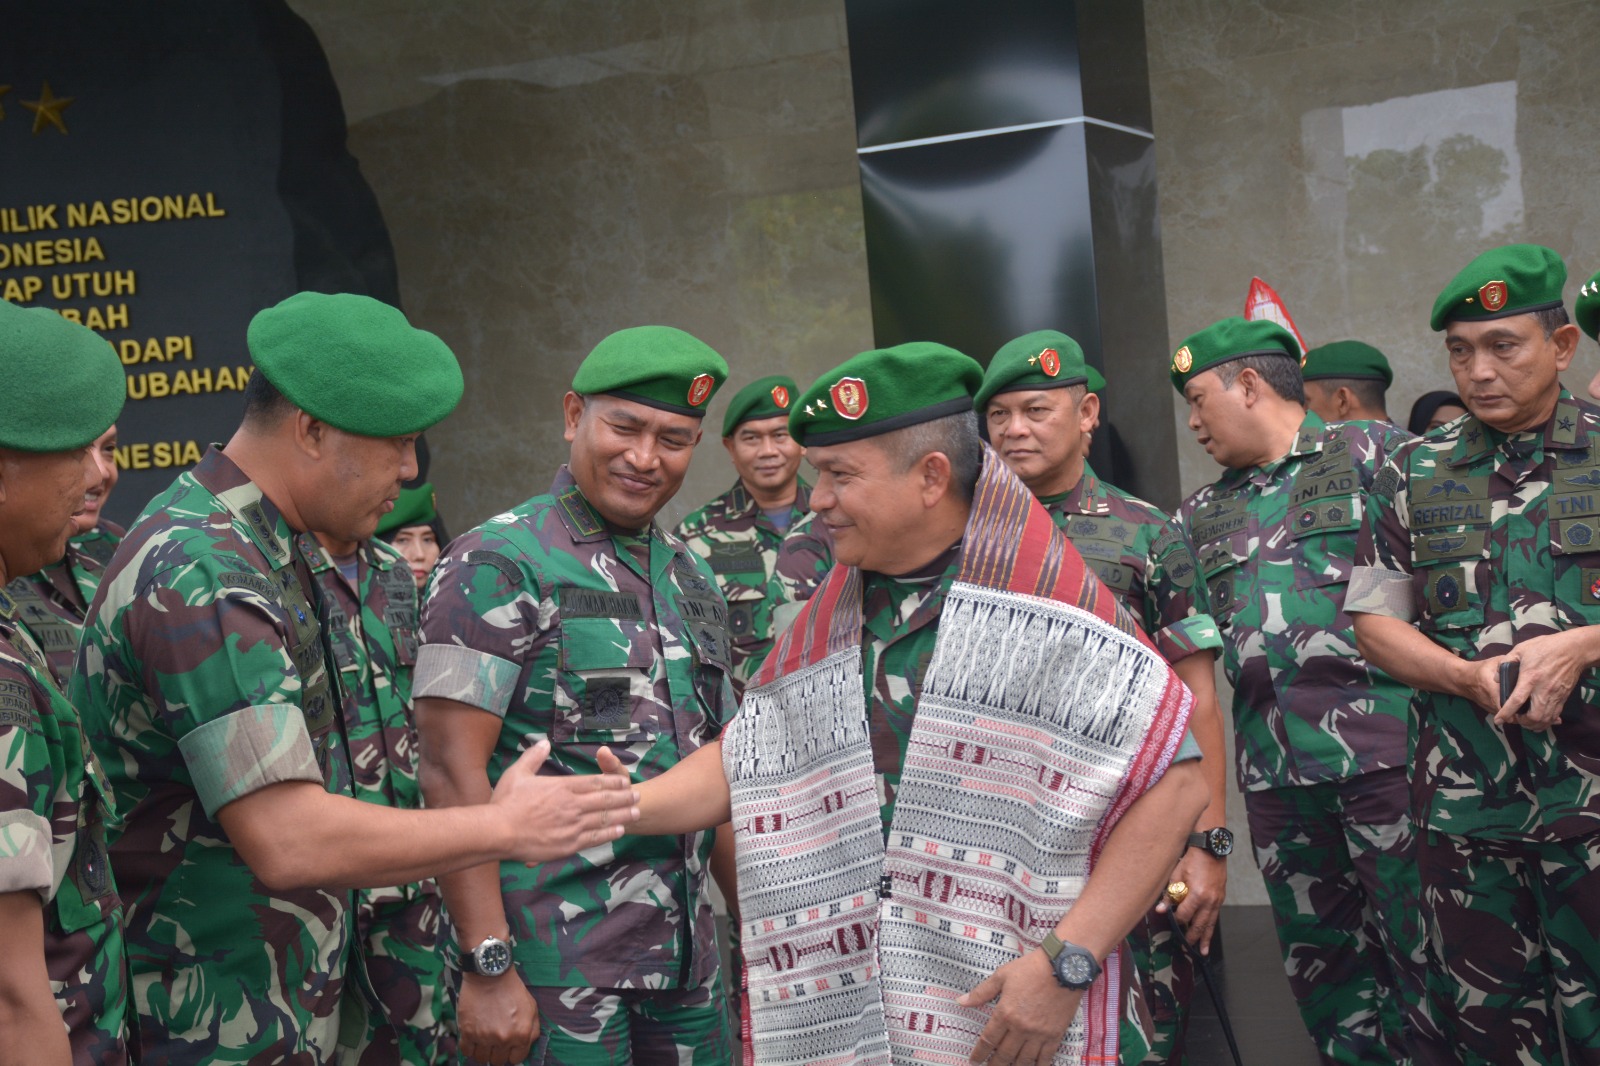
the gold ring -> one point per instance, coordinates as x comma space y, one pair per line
1177, 892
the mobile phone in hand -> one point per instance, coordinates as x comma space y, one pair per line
1508, 683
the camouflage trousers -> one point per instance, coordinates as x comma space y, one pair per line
1512, 937
644, 1027
1339, 861
1166, 975
397, 1008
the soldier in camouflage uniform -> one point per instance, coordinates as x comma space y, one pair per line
574, 618
370, 608
1320, 736
52, 602
742, 534
1039, 408
63, 975
1347, 381
207, 694
1479, 549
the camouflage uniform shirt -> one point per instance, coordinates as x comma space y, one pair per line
52, 602
1276, 545
570, 630
1483, 541
52, 841
759, 567
203, 678
1143, 555
374, 640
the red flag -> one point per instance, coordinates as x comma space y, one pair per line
1264, 302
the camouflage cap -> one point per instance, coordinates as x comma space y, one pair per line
415, 507
1514, 279
61, 384
1586, 312
767, 397
1043, 359
355, 363
1346, 359
1232, 338
884, 390
658, 366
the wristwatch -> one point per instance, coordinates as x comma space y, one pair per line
1075, 967
1218, 841
489, 959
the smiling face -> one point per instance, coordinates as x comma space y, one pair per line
1043, 434
40, 495
628, 458
355, 481
873, 509
1507, 371
103, 453
764, 454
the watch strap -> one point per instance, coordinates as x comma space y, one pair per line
1051, 945
1197, 840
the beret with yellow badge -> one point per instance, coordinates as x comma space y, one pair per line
1514, 279
1043, 359
1232, 338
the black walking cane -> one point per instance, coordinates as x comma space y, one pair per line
1204, 966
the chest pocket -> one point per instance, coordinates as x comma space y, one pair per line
1220, 530
400, 612
707, 631
607, 663
1449, 549
1105, 544
1574, 513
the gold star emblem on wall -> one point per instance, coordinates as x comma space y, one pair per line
47, 109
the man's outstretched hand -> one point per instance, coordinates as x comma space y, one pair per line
553, 817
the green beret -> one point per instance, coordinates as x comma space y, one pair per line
1096, 382
1232, 338
1346, 359
415, 507
657, 366
1043, 359
61, 384
884, 390
767, 397
1587, 310
355, 363
1515, 279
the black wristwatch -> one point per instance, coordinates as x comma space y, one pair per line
1074, 967
1218, 841
489, 959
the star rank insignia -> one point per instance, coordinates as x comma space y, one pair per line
1565, 423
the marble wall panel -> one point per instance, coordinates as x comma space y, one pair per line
553, 171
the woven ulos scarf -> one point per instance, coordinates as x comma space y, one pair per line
1043, 715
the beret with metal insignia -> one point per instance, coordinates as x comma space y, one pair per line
1586, 312
1043, 359
1514, 279
1347, 359
61, 384
1232, 338
355, 363
415, 507
658, 366
884, 390
767, 397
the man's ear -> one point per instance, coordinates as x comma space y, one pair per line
572, 406
1344, 401
934, 471
1089, 412
310, 434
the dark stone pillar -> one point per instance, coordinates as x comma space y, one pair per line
1008, 181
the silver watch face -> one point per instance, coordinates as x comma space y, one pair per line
492, 957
